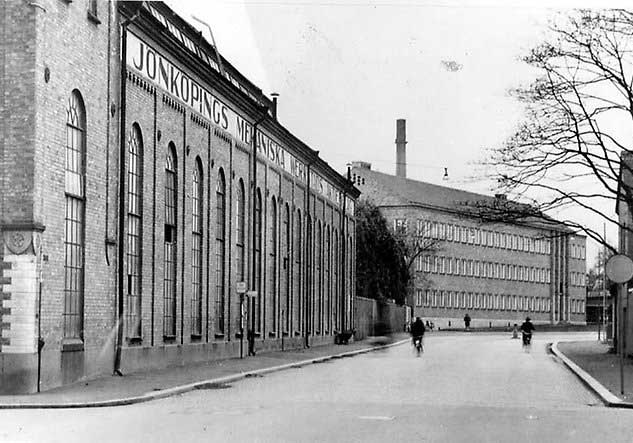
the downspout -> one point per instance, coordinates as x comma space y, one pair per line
308, 264
121, 246
254, 229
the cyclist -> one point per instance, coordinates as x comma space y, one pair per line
527, 328
417, 331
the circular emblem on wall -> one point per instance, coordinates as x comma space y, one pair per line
18, 242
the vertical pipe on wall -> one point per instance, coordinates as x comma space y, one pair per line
184, 228
254, 218
121, 224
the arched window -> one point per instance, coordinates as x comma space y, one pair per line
134, 230
318, 262
297, 293
170, 249
258, 258
170, 243
197, 205
75, 172
271, 301
326, 282
286, 304
240, 230
309, 292
336, 285
220, 252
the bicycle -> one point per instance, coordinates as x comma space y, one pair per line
417, 343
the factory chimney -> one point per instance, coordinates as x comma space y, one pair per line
401, 148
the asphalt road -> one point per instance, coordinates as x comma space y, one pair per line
465, 388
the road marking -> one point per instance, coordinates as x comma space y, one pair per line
376, 417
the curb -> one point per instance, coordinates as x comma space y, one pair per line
609, 399
176, 390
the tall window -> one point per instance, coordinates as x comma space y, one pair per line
271, 303
297, 302
220, 252
309, 299
197, 198
134, 232
287, 258
258, 257
318, 261
328, 293
240, 230
75, 217
336, 285
170, 249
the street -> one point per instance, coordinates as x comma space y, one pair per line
465, 387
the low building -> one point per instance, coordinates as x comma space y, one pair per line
498, 272
152, 207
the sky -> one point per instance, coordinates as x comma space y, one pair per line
346, 70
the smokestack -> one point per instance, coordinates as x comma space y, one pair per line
401, 148
274, 95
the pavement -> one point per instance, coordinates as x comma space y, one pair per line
590, 361
151, 385
599, 369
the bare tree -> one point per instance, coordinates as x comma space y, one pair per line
417, 243
578, 124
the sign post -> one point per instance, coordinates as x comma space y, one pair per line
241, 289
619, 269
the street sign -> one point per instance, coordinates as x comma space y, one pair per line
241, 287
619, 268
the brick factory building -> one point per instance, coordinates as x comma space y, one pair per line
497, 272
137, 231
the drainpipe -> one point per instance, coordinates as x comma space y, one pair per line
308, 262
264, 111
121, 245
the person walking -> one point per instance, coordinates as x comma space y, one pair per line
467, 321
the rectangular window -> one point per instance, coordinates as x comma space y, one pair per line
400, 225
442, 265
476, 268
427, 263
449, 232
449, 265
435, 264
458, 265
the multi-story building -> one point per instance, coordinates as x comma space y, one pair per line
138, 228
498, 272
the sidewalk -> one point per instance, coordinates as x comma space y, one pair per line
145, 386
598, 369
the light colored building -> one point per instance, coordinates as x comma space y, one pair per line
497, 272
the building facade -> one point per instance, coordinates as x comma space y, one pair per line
138, 227
497, 272
622, 314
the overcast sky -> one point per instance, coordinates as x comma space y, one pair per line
346, 70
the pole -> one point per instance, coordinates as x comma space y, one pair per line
622, 346
604, 283
241, 325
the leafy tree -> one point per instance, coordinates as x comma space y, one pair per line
578, 124
385, 258
381, 271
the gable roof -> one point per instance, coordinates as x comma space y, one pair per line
389, 190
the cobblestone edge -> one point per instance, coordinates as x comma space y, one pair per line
608, 398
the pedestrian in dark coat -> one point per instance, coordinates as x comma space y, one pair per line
467, 321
